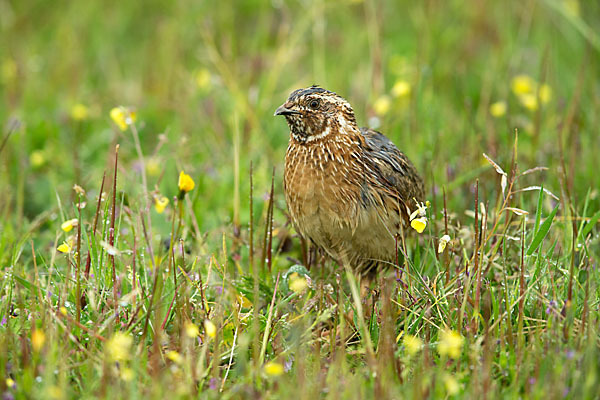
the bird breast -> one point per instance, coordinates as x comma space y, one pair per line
321, 179
323, 186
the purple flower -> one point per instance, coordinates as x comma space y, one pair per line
212, 384
3, 322
287, 365
570, 354
550, 306
7, 396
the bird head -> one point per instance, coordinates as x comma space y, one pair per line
314, 113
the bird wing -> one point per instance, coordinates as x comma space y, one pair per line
393, 169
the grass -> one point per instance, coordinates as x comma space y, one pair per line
216, 296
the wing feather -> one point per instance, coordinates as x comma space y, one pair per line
393, 170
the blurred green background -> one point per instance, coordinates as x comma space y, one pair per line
446, 80
436, 76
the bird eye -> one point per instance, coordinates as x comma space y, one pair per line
314, 104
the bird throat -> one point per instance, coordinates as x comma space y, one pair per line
309, 137
306, 133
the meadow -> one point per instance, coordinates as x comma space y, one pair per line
145, 248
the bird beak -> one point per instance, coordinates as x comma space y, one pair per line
283, 110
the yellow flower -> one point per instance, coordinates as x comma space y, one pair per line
451, 385
9, 70
160, 203
10, 383
243, 301
421, 210
80, 112
412, 344
68, 225
210, 328
203, 79
443, 242
419, 224
273, 368
118, 116
382, 105
118, 347
122, 117
175, 357
37, 158
186, 183
63, 310
522, 84
498, 109
55, 393
450, 343
191, 330
298, 284
401, 89
127, 374
545, 93
529, 101
153, 167
38, 338
65, 247
418, 218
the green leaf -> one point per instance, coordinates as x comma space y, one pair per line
542, 232
32, 286
538, 214
588, 227
583, 216
25, 283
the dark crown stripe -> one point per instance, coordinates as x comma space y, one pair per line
311, 90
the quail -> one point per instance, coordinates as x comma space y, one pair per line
349, 190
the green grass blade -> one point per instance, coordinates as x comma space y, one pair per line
542, 232
538, 213
588, 227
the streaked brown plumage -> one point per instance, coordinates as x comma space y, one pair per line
348, 189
